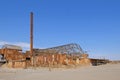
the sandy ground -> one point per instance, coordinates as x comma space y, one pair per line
103, 72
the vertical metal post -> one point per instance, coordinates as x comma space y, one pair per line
31, 33
31, 39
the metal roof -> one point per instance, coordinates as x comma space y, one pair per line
8, 46
40, 51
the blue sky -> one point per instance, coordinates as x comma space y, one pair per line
94, 24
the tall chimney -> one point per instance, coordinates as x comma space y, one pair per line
31, 33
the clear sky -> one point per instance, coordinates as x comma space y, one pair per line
94, 24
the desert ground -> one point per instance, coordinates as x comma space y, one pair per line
102, 72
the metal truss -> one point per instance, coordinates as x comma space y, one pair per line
72, 48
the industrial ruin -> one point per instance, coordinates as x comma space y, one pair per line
71, 54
